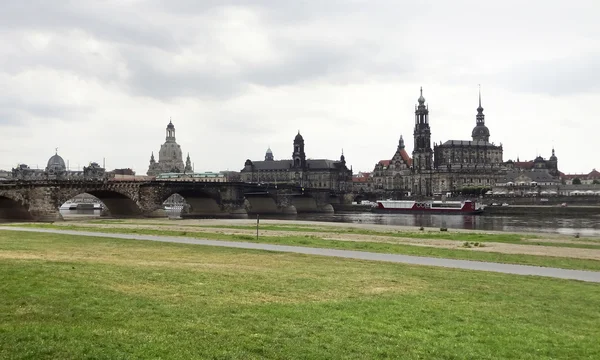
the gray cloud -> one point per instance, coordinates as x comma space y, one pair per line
252, 71
570, 75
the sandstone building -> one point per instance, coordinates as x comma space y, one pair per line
454, 165
170, 158
56, 169
313, 173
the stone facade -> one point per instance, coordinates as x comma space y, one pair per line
41, 200
310, 173
56, 169
170, 157
452, 166
199, 177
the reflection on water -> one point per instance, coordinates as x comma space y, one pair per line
80, 214
585, 226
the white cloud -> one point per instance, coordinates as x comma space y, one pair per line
101, 79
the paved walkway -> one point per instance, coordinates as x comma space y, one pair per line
590, 276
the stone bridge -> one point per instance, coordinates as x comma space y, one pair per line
41, 200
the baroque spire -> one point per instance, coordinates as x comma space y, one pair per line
480, 118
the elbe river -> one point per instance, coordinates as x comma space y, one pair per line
584, 226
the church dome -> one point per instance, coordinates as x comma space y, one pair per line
170, 126
480, 131
539, 159
269, 151
298, 137
56, 162
56, 165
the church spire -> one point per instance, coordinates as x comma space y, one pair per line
188, 165
401, 143
480, 117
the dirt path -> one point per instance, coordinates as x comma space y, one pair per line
193, 226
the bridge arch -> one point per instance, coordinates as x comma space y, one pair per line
198, 202
11, 209
116, 203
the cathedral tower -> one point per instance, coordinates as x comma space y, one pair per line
480, 131
422, 152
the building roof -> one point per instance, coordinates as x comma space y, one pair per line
594, 174
385, 162
405, 157
524, 164
468, 143
540, 176
313, 164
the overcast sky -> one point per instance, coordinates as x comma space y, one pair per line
100, 79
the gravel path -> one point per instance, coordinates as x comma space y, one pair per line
589, 276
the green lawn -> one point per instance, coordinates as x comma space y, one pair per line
70, 297
461, 236
382, 247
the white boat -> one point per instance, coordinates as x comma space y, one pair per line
466, 207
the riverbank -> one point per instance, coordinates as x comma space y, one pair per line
72, 297
550, 250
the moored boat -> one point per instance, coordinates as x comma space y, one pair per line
466, 207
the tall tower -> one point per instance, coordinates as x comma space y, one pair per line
298, 155
170, 132
480, 131
552, 164
188, 165
422, 152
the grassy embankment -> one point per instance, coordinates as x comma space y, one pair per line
74, 297
293, 238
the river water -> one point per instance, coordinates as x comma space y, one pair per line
584, 226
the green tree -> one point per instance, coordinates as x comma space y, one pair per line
577, 181
595, 182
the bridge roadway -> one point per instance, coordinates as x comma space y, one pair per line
581, 275
41, 199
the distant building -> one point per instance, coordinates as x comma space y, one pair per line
123, 172
454, 166
196, 177
362, 182
170, 157
314, 173
232, 176
593, 177
395, 173
56, 169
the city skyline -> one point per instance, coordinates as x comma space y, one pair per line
101, 80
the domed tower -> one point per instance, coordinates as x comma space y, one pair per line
343, 158
298, 155
422, 152
480, 131
170, 157
269, 155
56, 166
170, 132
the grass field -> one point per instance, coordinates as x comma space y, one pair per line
298, 238
71, 297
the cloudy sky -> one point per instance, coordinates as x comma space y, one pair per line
100, 79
